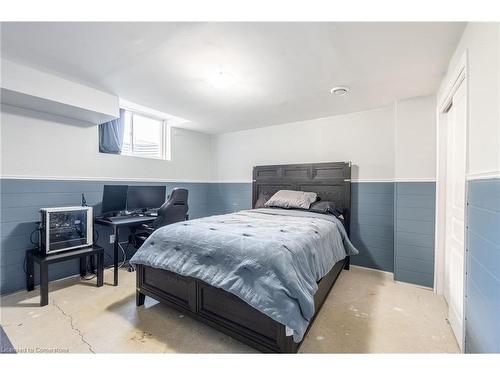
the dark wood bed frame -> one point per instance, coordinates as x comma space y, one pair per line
223, 310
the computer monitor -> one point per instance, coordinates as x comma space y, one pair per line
145, 197
114, 198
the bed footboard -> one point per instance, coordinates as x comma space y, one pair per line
223, 310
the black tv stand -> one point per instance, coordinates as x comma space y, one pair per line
35, 256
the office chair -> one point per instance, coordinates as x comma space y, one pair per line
173, 210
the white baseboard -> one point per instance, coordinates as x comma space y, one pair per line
414, 285
391, 275
387, 273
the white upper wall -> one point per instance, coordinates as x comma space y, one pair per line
381, 144
482, 43
415, 140
364, 138
41, 145
396, 141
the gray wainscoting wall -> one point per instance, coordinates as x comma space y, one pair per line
482, 307
223, 198
372, 221
21, 200
414, 218
381, 211
372, 224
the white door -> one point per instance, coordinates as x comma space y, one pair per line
455, 212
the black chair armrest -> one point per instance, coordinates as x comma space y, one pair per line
147, 228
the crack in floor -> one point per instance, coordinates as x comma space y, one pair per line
73, 327
142, 336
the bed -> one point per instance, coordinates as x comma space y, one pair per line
276, 312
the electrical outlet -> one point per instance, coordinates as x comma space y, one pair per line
112, 238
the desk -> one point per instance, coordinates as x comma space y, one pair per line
44, 260
134, 221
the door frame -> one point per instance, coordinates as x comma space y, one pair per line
459, 77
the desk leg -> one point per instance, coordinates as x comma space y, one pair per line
83, 266
30, 273
44, 284
115, 254
100, 269
92, 265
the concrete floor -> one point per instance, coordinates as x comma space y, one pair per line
366, 312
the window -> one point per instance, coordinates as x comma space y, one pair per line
144, 136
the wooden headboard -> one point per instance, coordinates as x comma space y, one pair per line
331, 181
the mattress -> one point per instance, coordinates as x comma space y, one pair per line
270, 258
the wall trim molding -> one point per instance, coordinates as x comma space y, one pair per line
484, 175
236, 181
372, 180
250, 181
93, 178
417, 179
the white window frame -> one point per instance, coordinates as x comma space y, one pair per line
165, 134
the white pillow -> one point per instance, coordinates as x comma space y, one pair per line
292, 199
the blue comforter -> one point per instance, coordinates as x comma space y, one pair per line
270, 258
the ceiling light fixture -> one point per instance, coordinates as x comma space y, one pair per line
339, 90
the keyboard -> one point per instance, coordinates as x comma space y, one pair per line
121, 218
118, 218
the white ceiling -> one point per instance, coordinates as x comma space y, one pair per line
272, 73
